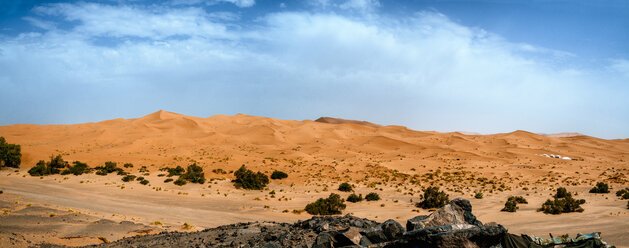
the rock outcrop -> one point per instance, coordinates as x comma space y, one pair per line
453, 225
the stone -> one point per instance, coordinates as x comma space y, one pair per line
348, 237
458, 211
392, 229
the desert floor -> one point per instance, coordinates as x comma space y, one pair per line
394, 161
90, 206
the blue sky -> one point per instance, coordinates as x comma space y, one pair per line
483, 66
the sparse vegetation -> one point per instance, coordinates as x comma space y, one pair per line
10, 154
180, 182
128, 165
278, 175
168, 180
623, 193
78, 168
372, 197
563, 204
354, 198
326, 206
512, 203
478, 195
219, 171
194, 174
510, 206
247, 179
345, 187
600, 188
109, 168
433, 198
43, 168
177, 171
128, 178
144, 182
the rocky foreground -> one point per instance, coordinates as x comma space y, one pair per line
453, 225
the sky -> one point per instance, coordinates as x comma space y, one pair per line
488, 66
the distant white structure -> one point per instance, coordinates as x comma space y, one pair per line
556, 156
566, 158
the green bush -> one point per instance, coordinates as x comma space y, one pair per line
247, 179
180, 182
601, 188
168, 180
326, 206
354, 198
372, 197
433, 198
40, 169
109, 168
345, 187
177, 171
518, 199
565, 204
561, 193
623, 193
510, 206
43, 168
478, 195
10, 154
78, 168
219, 171
278, 175
128, 165
194, 174
139, 179
1, 192
144, 182
128, 178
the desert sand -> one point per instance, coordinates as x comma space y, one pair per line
393, 161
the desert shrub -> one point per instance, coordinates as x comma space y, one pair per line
143, 169
177, 171
478, 195
278, 175
565, 204
144, 182
128, 165
180, 182
1, 192
78, 168
518, 199
561, 193
194, 174
168, 180
372, 197
326, 206
345, 187
40, 169
139, 179
128, 178
10, 154
510, 206
433, 198
627, 204
354, 198
247, 179
601, 188
219, 171
53, 166
623, 193
109, 168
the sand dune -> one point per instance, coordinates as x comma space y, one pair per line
395, 161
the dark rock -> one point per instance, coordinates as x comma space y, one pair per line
392, 229
348, 237
458, 211
324, 240
375, 234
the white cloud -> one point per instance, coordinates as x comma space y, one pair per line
424, 71
241, 3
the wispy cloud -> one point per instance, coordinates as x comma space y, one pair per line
424, 71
